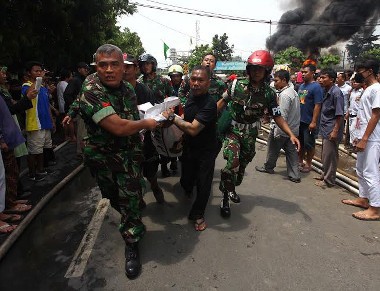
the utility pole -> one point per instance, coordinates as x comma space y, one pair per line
197, 35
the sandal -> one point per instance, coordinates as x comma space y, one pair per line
200, 224
10, 217
7, 228
18, 208
305, 169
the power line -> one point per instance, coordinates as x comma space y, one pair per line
184, 10
188, 35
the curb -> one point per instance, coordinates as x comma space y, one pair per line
10, 240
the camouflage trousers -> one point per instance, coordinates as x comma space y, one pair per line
238, 150
122, 183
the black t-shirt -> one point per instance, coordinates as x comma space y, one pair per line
203, 109
144, 94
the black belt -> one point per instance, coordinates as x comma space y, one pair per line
352, 115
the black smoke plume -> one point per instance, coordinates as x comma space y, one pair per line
319, 24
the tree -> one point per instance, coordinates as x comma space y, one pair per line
222, 51
359, 43
197, 55
328, 60
128, 42
58, 33
372, 53
291, 56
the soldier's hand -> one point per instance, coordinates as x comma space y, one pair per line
151, 124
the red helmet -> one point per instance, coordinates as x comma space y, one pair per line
261, 58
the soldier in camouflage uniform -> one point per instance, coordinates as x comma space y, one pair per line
161, 88
113, 149
216, 90
248, 101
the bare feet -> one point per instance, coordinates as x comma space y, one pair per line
18, 208
6, 228
371, 214
358, 202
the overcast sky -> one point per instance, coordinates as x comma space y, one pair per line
175, 29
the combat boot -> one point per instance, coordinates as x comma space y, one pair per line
165, 171
235, 198
132, 261
225, 210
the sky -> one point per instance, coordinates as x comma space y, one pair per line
155, 27
175, 29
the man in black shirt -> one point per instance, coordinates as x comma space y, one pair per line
198, 157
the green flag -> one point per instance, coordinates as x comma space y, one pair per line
166, 48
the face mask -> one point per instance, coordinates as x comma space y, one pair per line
359, 78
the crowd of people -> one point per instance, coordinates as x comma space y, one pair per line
99, 112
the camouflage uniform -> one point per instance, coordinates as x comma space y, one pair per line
115, 161
246, 107
160, 86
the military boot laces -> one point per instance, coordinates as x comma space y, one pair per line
132, 261
233, 196
225, 210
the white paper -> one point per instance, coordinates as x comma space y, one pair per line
156, 110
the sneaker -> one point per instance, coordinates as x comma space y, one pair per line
294, 180
263, 170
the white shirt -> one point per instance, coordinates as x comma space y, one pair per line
355, 101
61, 86
345, 88
369, 100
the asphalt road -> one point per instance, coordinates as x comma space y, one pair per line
283, 236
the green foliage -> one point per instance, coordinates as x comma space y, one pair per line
360, 43
128, 42
328, 60
291, 56
59, 33
197, 55
221, 49
372, 53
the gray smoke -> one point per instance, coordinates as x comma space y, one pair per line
315, 24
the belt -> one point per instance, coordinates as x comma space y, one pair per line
245, 126
351, 115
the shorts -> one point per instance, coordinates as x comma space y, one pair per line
307, 138
37, 140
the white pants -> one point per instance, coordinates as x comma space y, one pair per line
367, 169
2, 184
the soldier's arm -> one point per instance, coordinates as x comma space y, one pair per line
124, 127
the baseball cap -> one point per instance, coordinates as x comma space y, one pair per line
82, 65
129, 59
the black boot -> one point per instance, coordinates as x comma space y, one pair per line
233, 196
225, 210
165, 171
132, 261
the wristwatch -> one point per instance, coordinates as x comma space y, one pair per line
171, 117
